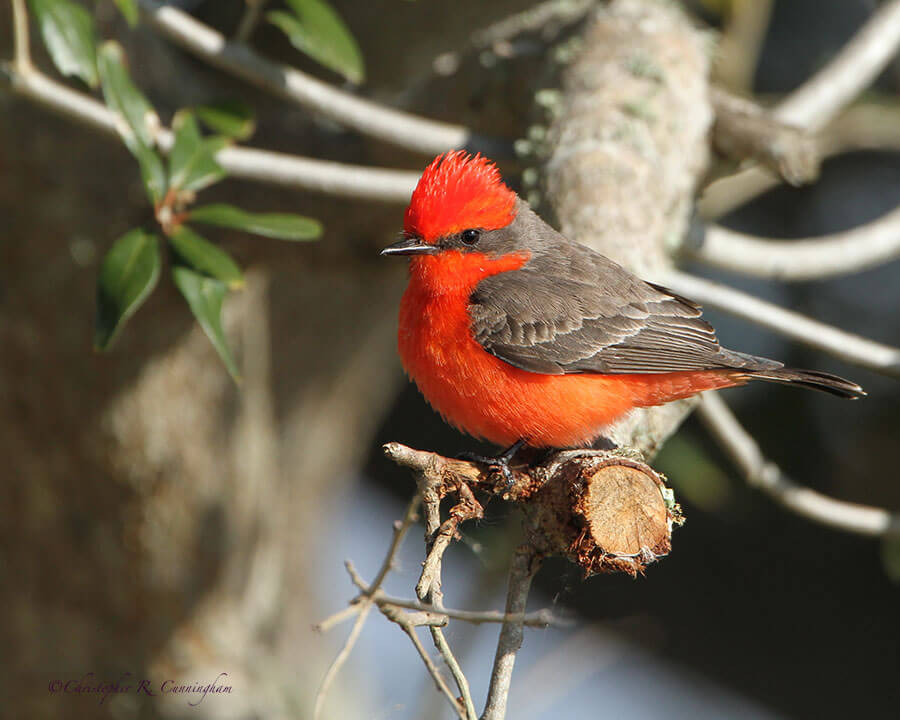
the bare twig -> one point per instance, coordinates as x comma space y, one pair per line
817, 101
337, 618
803, 259
340, 659
839, 343
365, 604
522, 570
249, 20
21, 37
863, 126
741, 42
539, 618
246, 163
429, 663
745, 130
462, 683
428, 589
393, 126
765, 475
849, 72
545, 17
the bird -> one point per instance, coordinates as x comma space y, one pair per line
521, 337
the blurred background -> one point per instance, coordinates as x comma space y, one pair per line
160, 521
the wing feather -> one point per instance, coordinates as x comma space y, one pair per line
571, 310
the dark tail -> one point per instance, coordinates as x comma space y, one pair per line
810, 379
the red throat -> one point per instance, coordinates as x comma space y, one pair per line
456, 192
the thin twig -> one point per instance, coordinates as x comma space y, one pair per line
539, 618
765, 475
337, 618
400, 530
817, 101
430, 666
811, 258
21, 37
339, 660
852, 348
249, 20
849, 72
437, 539
521, 571
459, 677
863, 126
246, 163
741, 42
393, 126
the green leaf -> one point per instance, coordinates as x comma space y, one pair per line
204, 296
129, 9
128, 274
192, 163
70, 37
282, 226
206, 258
231, 118
316, 29
124, 98
153, 173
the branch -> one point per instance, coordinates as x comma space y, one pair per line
852, 348
607, 511
863, 126
21, 37
848, 73
744, 130
802, 259
817, 101
339, 660
539, 618
437, 538
249, 20
369, 118
633, 113
439, 681
524, 566
765, 475
365, 605
246, 163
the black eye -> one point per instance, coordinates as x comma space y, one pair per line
470, 237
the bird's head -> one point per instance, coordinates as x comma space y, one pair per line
458, 217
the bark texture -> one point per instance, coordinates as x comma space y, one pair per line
627, 141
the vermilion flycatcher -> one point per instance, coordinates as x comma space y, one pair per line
515, 334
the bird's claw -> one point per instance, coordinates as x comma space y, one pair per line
498, 464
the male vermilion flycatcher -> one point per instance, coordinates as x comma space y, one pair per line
515, 334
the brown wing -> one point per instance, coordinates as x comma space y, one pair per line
571, 310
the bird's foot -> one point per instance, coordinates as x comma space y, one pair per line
497, 463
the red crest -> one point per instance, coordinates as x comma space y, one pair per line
456, 192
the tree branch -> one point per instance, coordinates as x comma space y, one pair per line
817, 101
365, 605
264, 166
745, 130
249, 20
523, 568
437, 538
847, 74
765, 475
369, 118
852, 348
21, 37
802, 259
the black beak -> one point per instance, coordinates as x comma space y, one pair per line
409, 246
